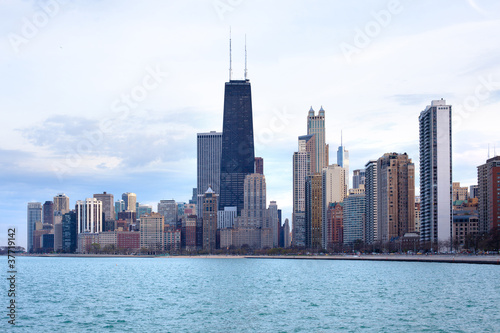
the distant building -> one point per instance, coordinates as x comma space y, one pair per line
210, 205
172, 239
209, 150
343, 160
459, 193
61, 203
130, 199
354, 218
238, 156
152, 229
396, 196
48, 212
473, 191
168, 208
334, 189
226, 217
88, 243
34, 216
334, 225
314, 211
47, 242
69, 232
316, 127
188, 232
119, 207
488, 180
259, 165
273, 223
128, 240
358, 178
144, 210
463, 226
435, 174
287, 241
107, 205
371, 203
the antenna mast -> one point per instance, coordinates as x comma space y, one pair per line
245, 57
230, 60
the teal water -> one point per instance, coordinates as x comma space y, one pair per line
258, 295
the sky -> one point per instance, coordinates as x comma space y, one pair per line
109, 95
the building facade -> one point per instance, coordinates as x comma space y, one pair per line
488, 180
316, 127
238, 156
152, 231
208, 167
34, 215
108, 208
61, 203
435, 174
89, 216
210, 206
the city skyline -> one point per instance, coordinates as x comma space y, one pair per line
151, 148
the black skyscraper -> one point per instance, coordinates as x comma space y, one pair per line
238, 156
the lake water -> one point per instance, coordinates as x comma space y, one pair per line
260, 295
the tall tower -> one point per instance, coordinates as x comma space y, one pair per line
396, 196
435, 173
343, 159
209, 149
371, 202
34, 215
316, 127
48, 213
334, 189
238, 157
314, 211
210, 220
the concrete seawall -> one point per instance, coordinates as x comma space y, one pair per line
487, 259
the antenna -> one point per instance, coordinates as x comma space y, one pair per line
494, 150
341, 138
230, 60
488, 150
245, 57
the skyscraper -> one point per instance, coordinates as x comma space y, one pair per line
435, 174
168, 208
343, 159
209, 150
238, 157
304, 161
334, 190
61, 203
488, 180
396, 196
107, 205
314, 211
259, 165
316, 127
130, 200
89, 215
210, 220
152, 231
358, 178
48, 213
371, 202
34, 216
353, 218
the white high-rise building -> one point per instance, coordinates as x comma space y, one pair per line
89, 215
209, 150
435, 174
226, 217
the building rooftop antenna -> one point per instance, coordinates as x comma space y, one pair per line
341, 138
230, 60
488, 150
245, 57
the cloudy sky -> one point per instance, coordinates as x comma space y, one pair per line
109, 95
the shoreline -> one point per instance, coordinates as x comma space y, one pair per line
437, 258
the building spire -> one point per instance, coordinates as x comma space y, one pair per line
341, 139
230, 60
488, 151
245, 57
